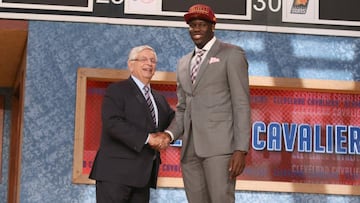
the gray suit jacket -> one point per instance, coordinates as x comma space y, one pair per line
217, 106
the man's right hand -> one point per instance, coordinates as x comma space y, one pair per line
159, 140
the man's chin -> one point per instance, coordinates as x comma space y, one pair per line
149, 76
197, 40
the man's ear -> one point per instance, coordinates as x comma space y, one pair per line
130, 66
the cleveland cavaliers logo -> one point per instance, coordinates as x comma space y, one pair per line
299, 6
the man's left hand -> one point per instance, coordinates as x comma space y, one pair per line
237, 164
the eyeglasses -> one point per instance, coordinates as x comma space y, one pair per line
143, 60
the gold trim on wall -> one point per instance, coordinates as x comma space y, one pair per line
109, 75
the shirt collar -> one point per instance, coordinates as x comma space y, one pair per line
139, 83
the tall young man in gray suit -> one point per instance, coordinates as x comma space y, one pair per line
213, 112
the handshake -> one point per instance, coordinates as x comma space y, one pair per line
159, 140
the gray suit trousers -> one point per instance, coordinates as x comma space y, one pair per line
206, 180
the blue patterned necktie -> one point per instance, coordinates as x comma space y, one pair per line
196, 66
149, 103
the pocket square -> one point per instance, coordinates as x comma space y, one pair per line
214, 60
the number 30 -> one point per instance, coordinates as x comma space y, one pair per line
262, 6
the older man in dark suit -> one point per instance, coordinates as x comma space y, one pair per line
127, 162
213, 112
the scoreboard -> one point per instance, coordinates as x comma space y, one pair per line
328, 14
325, 17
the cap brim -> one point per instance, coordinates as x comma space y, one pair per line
190, 16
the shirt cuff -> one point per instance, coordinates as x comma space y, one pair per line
171, 135
147, 139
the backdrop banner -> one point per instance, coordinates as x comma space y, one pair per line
297, 136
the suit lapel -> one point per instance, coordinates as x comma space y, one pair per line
140, 97
185, 71
138, 94
159, 105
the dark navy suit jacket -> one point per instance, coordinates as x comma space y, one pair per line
123, 156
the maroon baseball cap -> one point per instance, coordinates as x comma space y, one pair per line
200, 11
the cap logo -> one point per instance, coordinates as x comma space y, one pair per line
202, 10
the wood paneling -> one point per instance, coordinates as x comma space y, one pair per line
13, 38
